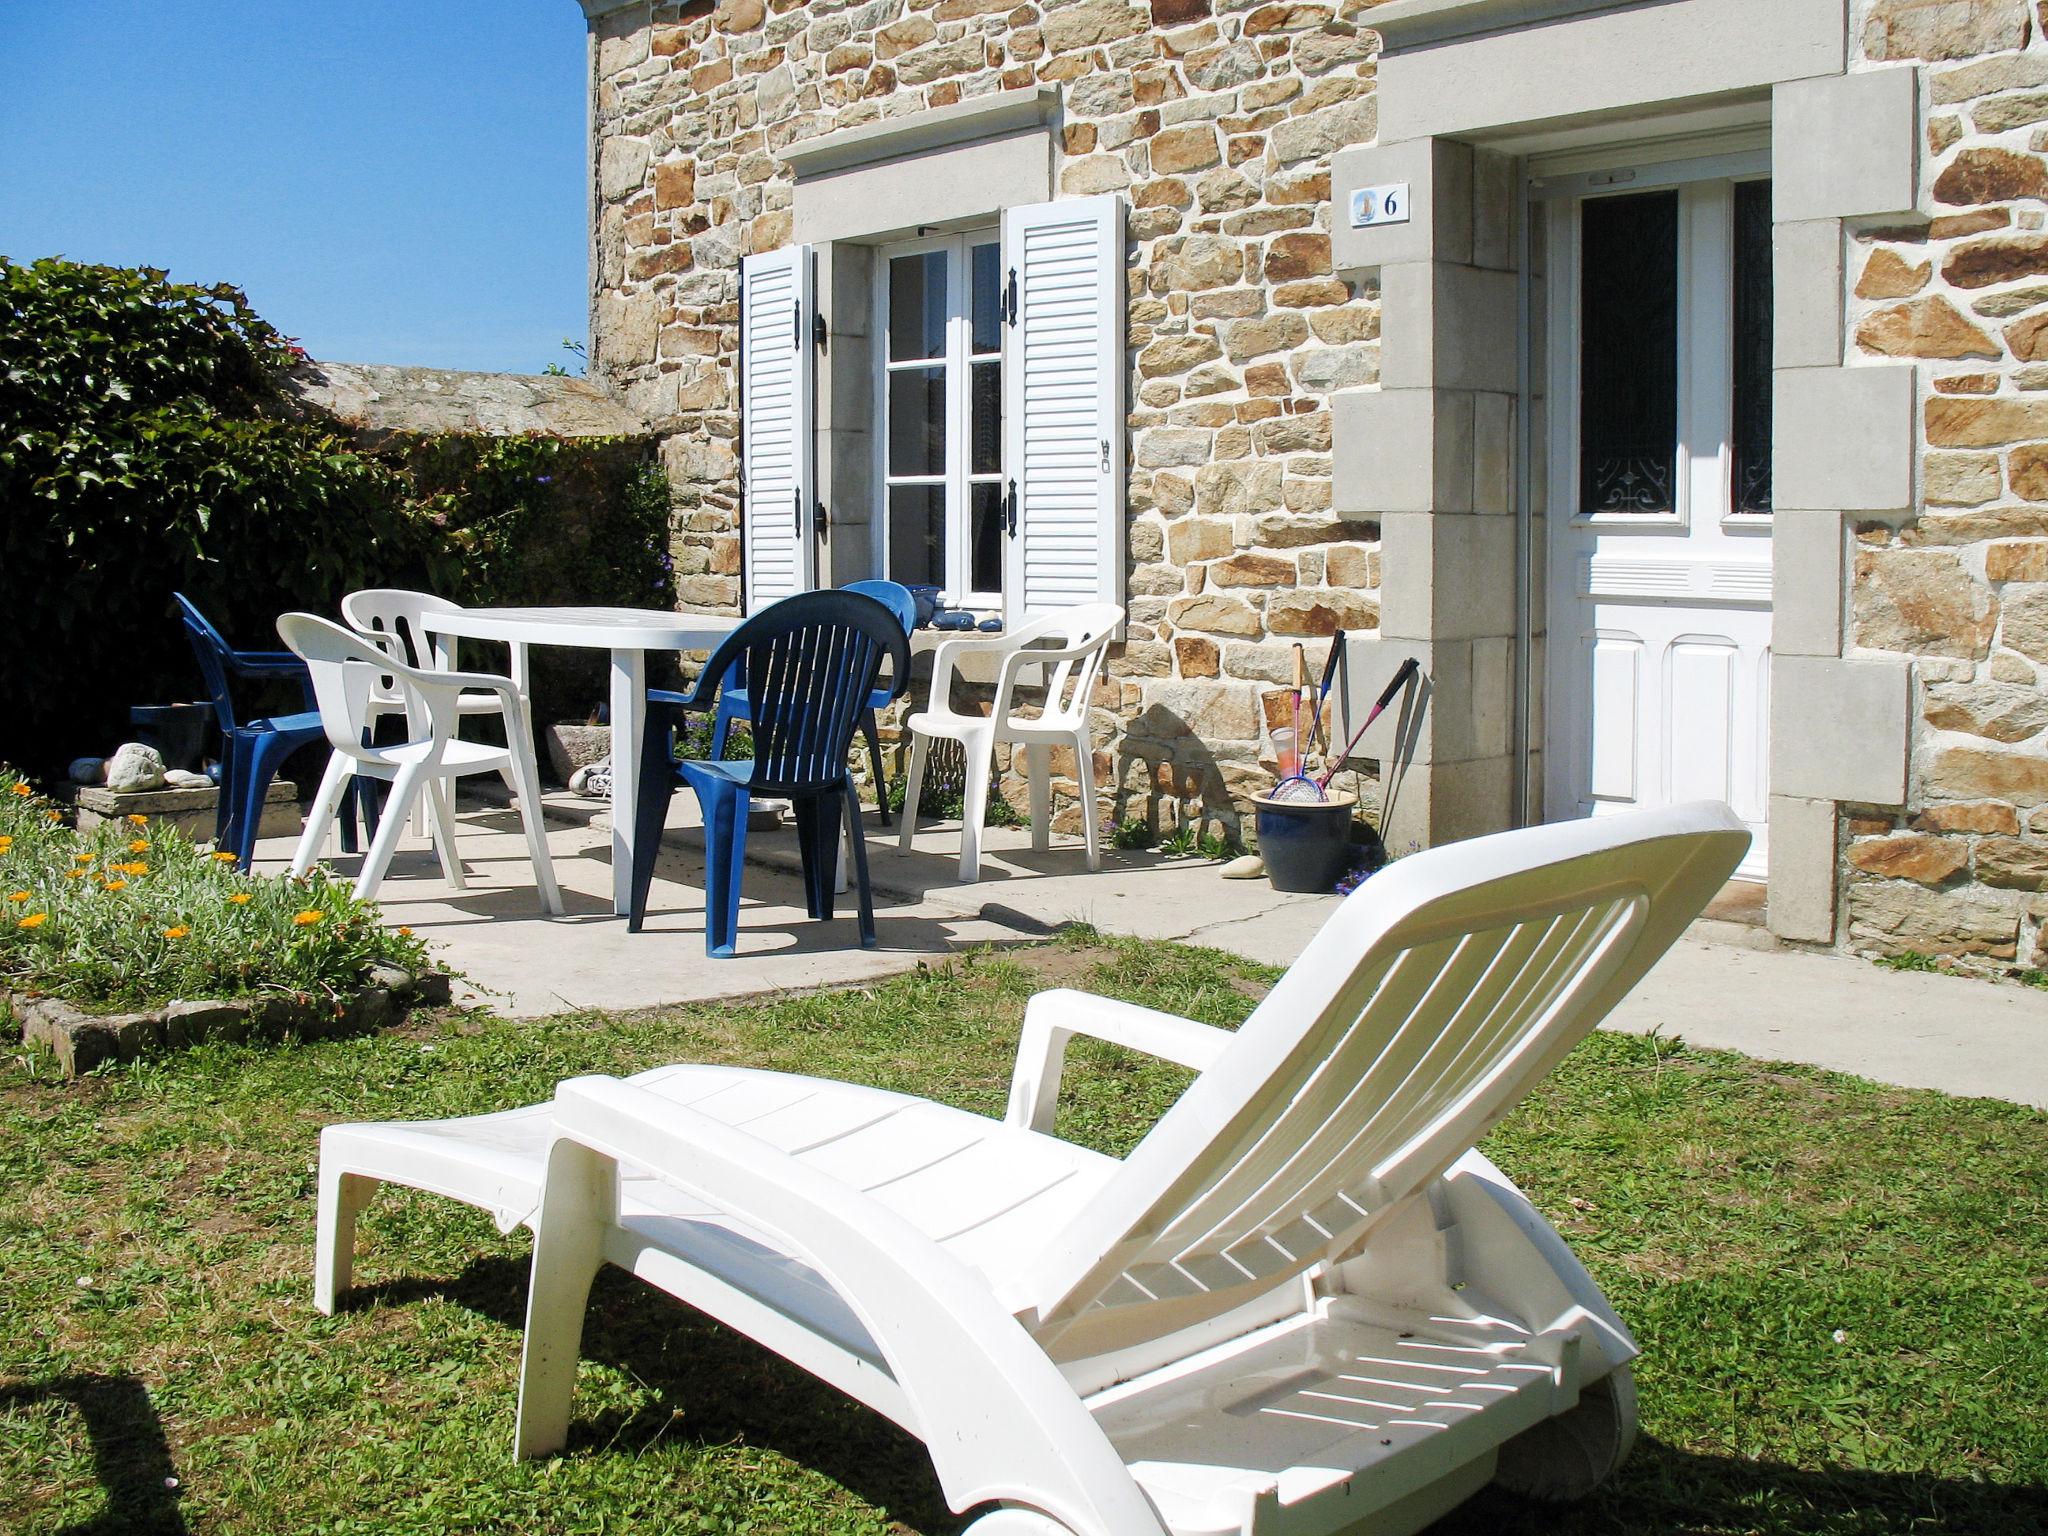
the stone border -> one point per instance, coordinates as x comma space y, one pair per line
81, 1041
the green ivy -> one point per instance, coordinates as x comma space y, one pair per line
148, 445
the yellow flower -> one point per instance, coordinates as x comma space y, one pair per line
225, 857
239, 899
21, 789
176, 933
300, 920
139, 845
136, 868
35, 920
17, 896
81, 858
137, 819
54, 815
74, 874
5, 843
115, 885
405, 933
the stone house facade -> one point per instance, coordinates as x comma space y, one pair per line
1787, 544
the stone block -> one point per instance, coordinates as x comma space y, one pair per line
1803, 869
1446, 578
1806, 297
1844, 437
191, 811
1841, 729
1439, 227
1809, 555
1446, 326
1894, 917
1846, 146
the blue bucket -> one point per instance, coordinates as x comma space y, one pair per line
1306, 843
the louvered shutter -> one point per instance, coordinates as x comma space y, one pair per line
777, 368
1063, 391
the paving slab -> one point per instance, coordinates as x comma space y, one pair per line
1725, 985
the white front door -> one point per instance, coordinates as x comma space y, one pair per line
1659, 619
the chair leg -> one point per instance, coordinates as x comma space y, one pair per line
978, 754
1091, 815
224, 791
568, 1246
817, 820
725, 856
652, 790
342, 1196
1038, 757
721, 727
439, 798
403, 791
872, 730
913, 784
866, 896
335, 781
524, 775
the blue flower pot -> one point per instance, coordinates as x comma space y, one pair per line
1306, 844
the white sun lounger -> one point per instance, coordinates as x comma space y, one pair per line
1301, 1303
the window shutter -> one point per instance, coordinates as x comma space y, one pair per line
1063, 391
777, 372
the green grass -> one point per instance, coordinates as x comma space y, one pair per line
1841, 1289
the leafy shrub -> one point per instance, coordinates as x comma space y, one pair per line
148, 445
137, 914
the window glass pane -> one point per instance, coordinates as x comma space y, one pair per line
1752, 405
1628, 353
985, 407
917, 306
917, 421
985, 536
986, 287
917, 535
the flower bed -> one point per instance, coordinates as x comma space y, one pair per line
106, 935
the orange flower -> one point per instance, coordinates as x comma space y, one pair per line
17, 895
225, 857
176, 933
74, 874
115, 885
34, 920
304, 919
405, 933
81, 858
139, 845
136, 819
5, 843
20, 789
136, 868
239, 899
54, 815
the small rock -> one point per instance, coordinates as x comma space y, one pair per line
434, 988
135, 768
393, 978
187, 1024
1246, 866
186, 778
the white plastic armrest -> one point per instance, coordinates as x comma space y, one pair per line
999, 1419
943, 660
1053, 1018
442, 693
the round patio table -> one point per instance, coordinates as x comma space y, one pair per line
629, 634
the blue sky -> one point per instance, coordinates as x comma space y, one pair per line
391, 181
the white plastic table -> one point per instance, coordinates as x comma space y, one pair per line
629, 634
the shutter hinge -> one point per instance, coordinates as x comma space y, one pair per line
1010, 299
796, 327
819, 331
796, 500
1010, 510
821, 520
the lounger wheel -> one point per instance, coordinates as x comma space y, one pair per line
1566, 1458
1015, 1520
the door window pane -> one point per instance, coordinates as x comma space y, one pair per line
917, 421
917, 306
1628, 353
985, 536
986, 285
917, 535
985, 414
1751, 490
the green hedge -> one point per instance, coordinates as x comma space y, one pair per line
147, 446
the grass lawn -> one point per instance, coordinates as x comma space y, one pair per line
1841, 1289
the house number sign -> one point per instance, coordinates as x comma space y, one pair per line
1385, 204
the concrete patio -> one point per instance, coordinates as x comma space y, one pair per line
1727, 984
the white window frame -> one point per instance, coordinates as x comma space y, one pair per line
958, 475
1703, 468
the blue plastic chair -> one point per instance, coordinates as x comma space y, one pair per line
734, 703
814, 660
251, 750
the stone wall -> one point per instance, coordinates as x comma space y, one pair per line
1961, 586
1216, 119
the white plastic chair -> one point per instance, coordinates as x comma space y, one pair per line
1302, 1303
346, 670
391, 616
1068, 646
